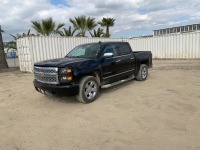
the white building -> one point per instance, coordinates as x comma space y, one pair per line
179, 29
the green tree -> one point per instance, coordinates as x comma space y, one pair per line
98, 33
107, 22
47, 26
83, 24
67, 32
13, 44
91, 24
3, 62
17, 36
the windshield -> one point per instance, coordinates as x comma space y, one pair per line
86, 51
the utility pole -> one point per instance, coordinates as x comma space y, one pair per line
3, 62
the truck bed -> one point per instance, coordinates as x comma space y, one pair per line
144, 56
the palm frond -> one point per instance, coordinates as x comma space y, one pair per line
61, 33
73, 32
15, 38
47, 26
83, 24
60, 26
67, 32
37, 26
28, 33
73, 21
98, 33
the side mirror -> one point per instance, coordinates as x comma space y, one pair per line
108, 55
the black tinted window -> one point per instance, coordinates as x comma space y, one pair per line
110, 48
123, 49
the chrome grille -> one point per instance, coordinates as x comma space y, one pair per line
46, 74
46, 79
45, 70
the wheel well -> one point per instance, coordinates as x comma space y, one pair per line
146, 62
97, 76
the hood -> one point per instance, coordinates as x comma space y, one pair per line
61, 62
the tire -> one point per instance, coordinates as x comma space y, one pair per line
88, 89
142, 73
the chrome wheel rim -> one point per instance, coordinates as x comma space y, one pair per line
90, 89
144, 72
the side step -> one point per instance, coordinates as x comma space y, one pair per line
118, 82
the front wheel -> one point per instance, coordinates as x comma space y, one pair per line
88, 89
142, 73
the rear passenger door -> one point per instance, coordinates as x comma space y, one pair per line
125, 59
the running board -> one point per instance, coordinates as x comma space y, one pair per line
118, 82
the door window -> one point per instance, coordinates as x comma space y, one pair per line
123, 49
110, 48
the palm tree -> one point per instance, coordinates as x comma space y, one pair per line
3, 62
98, 33
83, 24
91, 24
12, 44
107, 22
67, 32
27, 34
47, 26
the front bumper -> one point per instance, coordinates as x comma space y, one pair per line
68, 90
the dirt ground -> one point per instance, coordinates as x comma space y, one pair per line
162, 113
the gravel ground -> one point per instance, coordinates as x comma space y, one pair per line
161, 113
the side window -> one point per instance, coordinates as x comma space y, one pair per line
92, 51
123, 49
110, 48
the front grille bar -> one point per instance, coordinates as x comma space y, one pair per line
46, 74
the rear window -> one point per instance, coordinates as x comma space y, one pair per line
123, 49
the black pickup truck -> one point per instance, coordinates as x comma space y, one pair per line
89, 67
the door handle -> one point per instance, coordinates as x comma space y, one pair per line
132, 58
118, 61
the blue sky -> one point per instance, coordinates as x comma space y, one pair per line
59, 2
133, 17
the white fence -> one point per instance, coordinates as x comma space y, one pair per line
38, 48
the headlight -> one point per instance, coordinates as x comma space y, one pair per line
64, 71
64, 75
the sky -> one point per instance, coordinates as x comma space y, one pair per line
133, 17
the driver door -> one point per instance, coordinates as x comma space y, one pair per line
109, 65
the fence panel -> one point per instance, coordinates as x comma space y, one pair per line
24, 55
175, 46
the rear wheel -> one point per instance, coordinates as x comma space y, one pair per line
142, 73
88, 89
